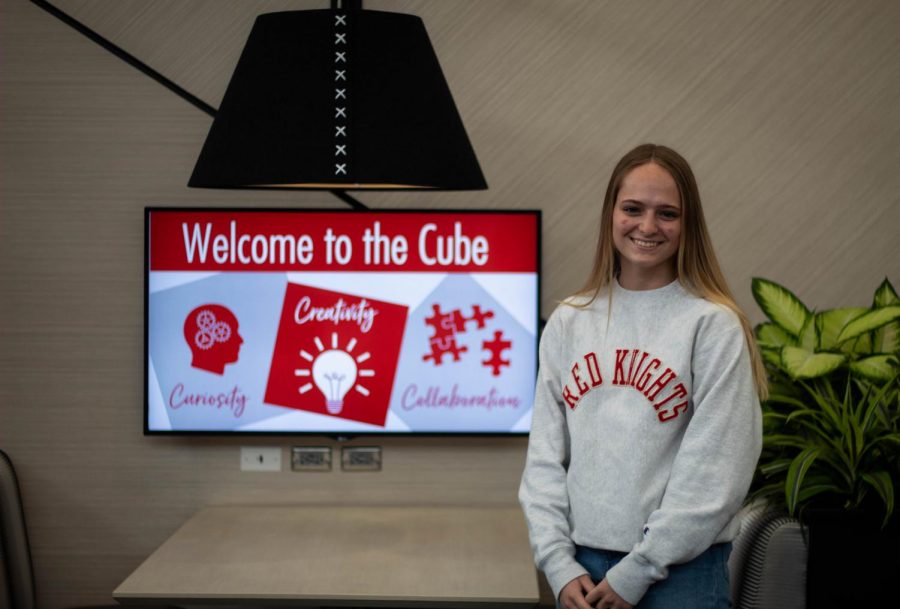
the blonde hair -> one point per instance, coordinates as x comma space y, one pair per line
697, 268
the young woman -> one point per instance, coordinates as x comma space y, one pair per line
647, 425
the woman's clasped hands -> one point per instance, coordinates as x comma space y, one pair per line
581, 593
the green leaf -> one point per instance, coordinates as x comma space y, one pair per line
773, 335
809, 335
771, 356
772, 493
894, 437
875, 446
861, 345
775, 467
833, 428
774, 417
885, 295
881, 482
830, 323
808, 412
828, 437
873, 409
786, 399
797, 471
816, 485
773, 421
824, 402
804, 364
784, 440
878, 368
854, 419
887, 337
869, 321
780, 305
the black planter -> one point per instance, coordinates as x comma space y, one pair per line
853, 562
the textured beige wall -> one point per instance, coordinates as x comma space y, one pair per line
788, 111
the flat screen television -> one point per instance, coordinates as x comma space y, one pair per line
340, 322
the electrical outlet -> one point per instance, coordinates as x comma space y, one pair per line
311, 458
361, 458
260, 459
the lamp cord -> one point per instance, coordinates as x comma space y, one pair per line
167, 83
125, 56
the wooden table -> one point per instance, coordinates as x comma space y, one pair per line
340, 556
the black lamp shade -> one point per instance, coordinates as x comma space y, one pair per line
338, 99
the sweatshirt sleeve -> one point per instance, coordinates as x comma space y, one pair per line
543, 493
714, 465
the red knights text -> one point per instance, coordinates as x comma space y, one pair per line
634, 368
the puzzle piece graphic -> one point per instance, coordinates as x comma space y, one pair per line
496, 347
478, 317
447, 326
441, 346
454, 322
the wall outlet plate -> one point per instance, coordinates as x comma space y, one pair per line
361, 458
260, 459
311, 458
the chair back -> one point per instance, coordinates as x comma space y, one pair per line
16, 575
768, 561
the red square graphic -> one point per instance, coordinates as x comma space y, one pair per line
336, 354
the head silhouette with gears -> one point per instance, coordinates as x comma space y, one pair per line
211, 331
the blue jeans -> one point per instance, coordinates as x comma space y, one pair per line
702, 583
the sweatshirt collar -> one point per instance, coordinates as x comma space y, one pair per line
655, 295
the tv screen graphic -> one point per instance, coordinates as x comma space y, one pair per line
340, 322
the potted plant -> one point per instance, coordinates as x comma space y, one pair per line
831, 431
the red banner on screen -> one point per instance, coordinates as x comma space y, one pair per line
333, 241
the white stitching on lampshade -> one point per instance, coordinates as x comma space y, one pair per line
340, 112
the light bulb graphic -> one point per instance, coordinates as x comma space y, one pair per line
334, 372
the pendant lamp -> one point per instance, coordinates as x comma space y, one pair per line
338, 99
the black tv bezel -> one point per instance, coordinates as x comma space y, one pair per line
342, 434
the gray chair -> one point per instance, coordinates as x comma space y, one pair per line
17, 590
768, 561
16, 576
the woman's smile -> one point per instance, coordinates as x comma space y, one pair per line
645, 244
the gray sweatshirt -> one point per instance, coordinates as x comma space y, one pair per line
645, 435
